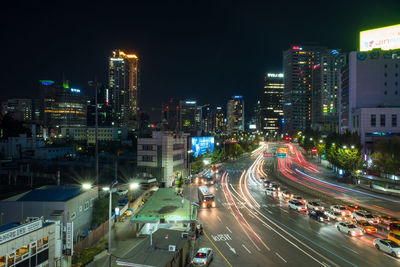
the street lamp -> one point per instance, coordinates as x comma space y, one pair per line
333, 144
344, 147
320, 141
112, 189
133, 186
352, 147
310, 138
86, 186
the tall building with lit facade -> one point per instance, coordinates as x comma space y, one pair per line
219, 120
271, 104
325, 91
26, 110
235, 115
188, 115
298, 64
61, 106
170, 115
123, 84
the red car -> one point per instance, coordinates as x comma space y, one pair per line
351, 207
393, 227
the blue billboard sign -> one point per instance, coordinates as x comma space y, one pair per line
202, 145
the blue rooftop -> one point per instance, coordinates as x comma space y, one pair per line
52, 193
8, 226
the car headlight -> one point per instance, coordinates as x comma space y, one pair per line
204, 205
205, 262
353, 233
213, 204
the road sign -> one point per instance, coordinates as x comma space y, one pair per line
281, 155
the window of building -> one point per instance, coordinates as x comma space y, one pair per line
80, 208
147, 158
86, 205
373, 120
91, 202
73, 216
147, 147
394, 120
383, 120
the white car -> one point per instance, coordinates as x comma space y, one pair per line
122, 192
286, 194
315, 206
270, 191
300, 199
388, 246
365, 216
203, 257
341, 209
349, 228
334, 215
297, 205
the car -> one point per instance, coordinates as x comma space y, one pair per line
388, 246
366, 227
286, 194
365, 216
203, 257
334, 215
349, 228
318, 215
315, 206
341, 209
122, 192
266, 183
270, 191
297, 205
393, 227
351, 208
388, 220
394, 236
262, 179
300, 199
277, 187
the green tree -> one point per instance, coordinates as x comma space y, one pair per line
386, 155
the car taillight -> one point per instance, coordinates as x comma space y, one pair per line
204, 205
213, 204
205, 262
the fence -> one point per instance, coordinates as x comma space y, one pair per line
92, 238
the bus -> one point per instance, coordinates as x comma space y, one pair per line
206, 198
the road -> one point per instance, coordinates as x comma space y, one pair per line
247, 228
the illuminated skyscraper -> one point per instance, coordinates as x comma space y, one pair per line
325, 91
124, 89
235, 115
188, 113
271, 106
298, 63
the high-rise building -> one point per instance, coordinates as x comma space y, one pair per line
219, 120
61, 106
104, 110
170, 115
298, 63
235, 115
271, 106
124, 89
20, 109
325, 91
207, 123
188, 115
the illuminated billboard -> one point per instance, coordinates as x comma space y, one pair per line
386, 38
202, 145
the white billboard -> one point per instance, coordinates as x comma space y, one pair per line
386, 38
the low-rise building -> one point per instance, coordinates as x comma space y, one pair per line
71, 205
88, 134
164, 155
34, 242
375, 123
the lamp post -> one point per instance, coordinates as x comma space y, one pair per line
111, 189
132, 187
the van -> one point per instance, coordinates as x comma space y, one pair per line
394, 236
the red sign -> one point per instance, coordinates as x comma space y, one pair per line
314, 150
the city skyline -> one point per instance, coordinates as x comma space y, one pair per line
173, 51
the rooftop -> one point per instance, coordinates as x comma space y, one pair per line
157, 255
49, 193
165, 203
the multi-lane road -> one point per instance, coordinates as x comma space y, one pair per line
248, 228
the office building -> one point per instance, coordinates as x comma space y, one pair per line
164, 155
235, 115
298, 64
104, 109
207, 122
87, 134
325, 91
61, 106
124, 88
219, 120
31, 242
67, 204
25, 110
370, 94
188, 116
271, 104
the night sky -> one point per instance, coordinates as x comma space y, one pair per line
204, 50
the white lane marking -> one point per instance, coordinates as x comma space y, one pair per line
231, 248
350, 249
219, 219
280, 257
284, 210
246, 248
266, 225
325, 264
251, 215
228, 229
270, 212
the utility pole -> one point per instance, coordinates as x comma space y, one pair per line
96, 133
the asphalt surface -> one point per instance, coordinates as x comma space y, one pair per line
248, 228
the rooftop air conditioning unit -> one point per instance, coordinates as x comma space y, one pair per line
171, 248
